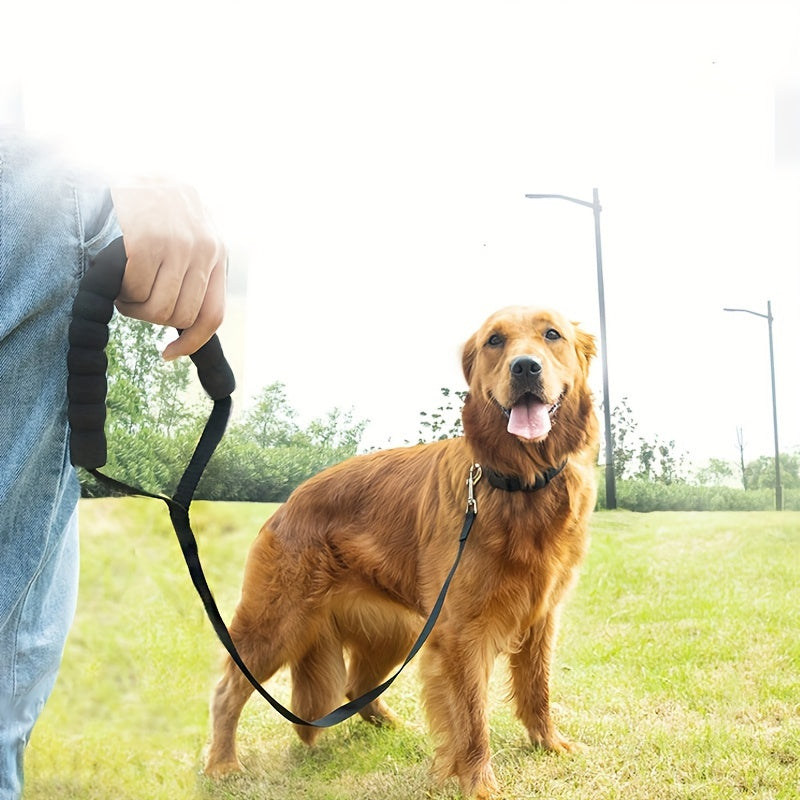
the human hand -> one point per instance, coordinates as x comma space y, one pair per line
175, 273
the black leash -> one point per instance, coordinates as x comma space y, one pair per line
86, 390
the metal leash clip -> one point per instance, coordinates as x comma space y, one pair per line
475, 473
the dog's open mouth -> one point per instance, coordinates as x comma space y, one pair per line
530, 417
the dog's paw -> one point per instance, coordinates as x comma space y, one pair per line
480, 785
477, 783
220, 769
555, 742
379, 714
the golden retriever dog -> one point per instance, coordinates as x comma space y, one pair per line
341, 578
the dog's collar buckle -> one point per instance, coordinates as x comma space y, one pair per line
511, 483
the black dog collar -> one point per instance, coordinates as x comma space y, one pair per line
511, 483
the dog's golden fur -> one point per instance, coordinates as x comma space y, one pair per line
340, 578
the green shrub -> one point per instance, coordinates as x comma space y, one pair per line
639, 495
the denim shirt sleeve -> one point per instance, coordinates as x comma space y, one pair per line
96, 213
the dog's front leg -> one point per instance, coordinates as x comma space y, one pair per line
455, 673
530, 680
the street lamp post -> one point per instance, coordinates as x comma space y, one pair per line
611, 488
768, 317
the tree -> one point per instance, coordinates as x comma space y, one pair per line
671, 464
143, 389
148, 427
445, 422
268, 454
623, 429
151, 433
740, 442
337, 431
270, 420
639, 458
717, 472
760, 474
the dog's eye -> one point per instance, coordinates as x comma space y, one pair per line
552, 334
495, 340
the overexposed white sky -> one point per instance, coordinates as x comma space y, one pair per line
368, 163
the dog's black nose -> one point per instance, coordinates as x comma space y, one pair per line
526, 366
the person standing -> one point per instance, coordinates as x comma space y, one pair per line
54, 218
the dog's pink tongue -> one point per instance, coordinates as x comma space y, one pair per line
529, 419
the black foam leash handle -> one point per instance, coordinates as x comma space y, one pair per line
87, 385
213, 370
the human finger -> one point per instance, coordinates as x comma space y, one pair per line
208, 319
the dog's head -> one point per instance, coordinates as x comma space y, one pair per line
528, 368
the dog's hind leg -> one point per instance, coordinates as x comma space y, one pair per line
274, 624
228, 700
318, 682
377, 642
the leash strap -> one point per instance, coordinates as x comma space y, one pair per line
354, 706
178, 507
86, 391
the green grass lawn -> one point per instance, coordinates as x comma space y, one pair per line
678, 664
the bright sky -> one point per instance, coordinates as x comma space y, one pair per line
368, 163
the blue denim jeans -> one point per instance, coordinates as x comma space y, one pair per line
52, 220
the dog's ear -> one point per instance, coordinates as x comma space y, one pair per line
586, 347
468, 355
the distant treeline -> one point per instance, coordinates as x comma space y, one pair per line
152, 430
265, 454
642, 495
